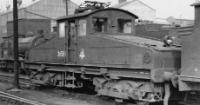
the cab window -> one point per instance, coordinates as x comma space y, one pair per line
82, 28
124, 26
100, 24
62, 29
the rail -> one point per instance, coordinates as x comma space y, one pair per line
24, 81
9, 99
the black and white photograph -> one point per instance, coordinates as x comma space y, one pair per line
99, 52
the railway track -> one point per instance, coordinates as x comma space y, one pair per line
8, 77
9, 99
25, 82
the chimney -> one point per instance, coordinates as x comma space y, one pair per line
121, 1
197, 13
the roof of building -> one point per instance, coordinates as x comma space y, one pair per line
131, 1
22, 7
92, 12
26, 6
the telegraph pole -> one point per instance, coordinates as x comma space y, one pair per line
66, 7
15, 44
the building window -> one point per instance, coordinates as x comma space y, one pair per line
62, 29
100, 24
54, 29
124, 26
82, 28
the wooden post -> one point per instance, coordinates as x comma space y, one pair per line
15, 44
66, 7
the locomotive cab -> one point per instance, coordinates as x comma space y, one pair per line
85, 32
104, 21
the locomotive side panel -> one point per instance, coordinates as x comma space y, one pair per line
51, 51
107, 51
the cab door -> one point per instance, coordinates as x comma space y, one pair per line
72, 42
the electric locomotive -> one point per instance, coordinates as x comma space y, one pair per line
98, 49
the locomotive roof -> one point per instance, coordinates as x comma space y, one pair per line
87, 13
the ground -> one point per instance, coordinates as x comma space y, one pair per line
57, 96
